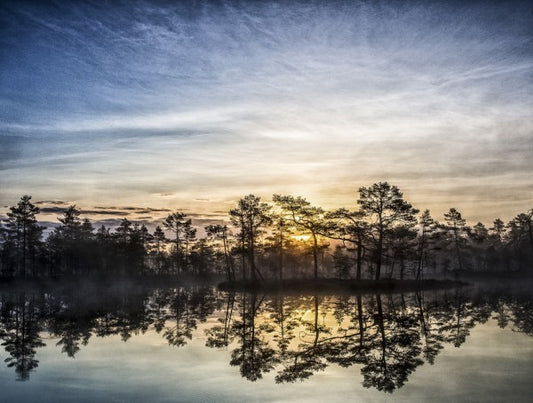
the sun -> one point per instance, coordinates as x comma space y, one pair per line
301, 238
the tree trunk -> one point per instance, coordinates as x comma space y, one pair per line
359, 259
420, 256
24, 242
178, 251
378, 257
251, 258
530, 232
315, 255
280, 256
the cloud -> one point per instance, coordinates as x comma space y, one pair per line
52, 202
52, 210
170, 106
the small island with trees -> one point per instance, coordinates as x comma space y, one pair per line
382, 243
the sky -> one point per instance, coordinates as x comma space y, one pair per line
140, 108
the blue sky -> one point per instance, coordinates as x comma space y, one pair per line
193, 105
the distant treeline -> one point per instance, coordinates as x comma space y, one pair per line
384, 237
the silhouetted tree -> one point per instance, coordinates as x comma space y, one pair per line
457, 229
202, 257
306, 218
349, 226
519, 239
24, 235
220, 232
181, 227
159, 241
189, 235
70, 245
250, 216
342, 262
382, 232
426, 237
384, 205
497, 231
279, 237
403, 246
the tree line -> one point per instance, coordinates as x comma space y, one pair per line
384, 236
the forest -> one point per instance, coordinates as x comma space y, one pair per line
382, 237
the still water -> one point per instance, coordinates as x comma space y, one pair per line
133, 343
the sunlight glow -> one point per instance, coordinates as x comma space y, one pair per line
301, 237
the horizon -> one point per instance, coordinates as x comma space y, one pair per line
111, 216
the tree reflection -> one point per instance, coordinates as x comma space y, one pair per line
220, 335
254, 355
186, 307
432, 338
394, 353
386, 336
310, 355
20, 334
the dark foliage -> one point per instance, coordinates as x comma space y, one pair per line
382, 240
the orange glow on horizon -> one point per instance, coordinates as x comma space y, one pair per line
301, 237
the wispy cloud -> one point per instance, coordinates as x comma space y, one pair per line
162, 105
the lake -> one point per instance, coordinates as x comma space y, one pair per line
133, 342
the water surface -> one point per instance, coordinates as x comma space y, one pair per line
134, 343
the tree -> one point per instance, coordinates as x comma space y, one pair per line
342, 263
427, 227
131, 240
189, 235
351, 227
221, 232
384, 205
123, 231
403, 246
250, 216
520, 238
139, 241
497, 231
64, 242
305, 218
479, 233
280, 239
181, 227
24, 233
202, 257
524, 224
159, 240
456, 226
